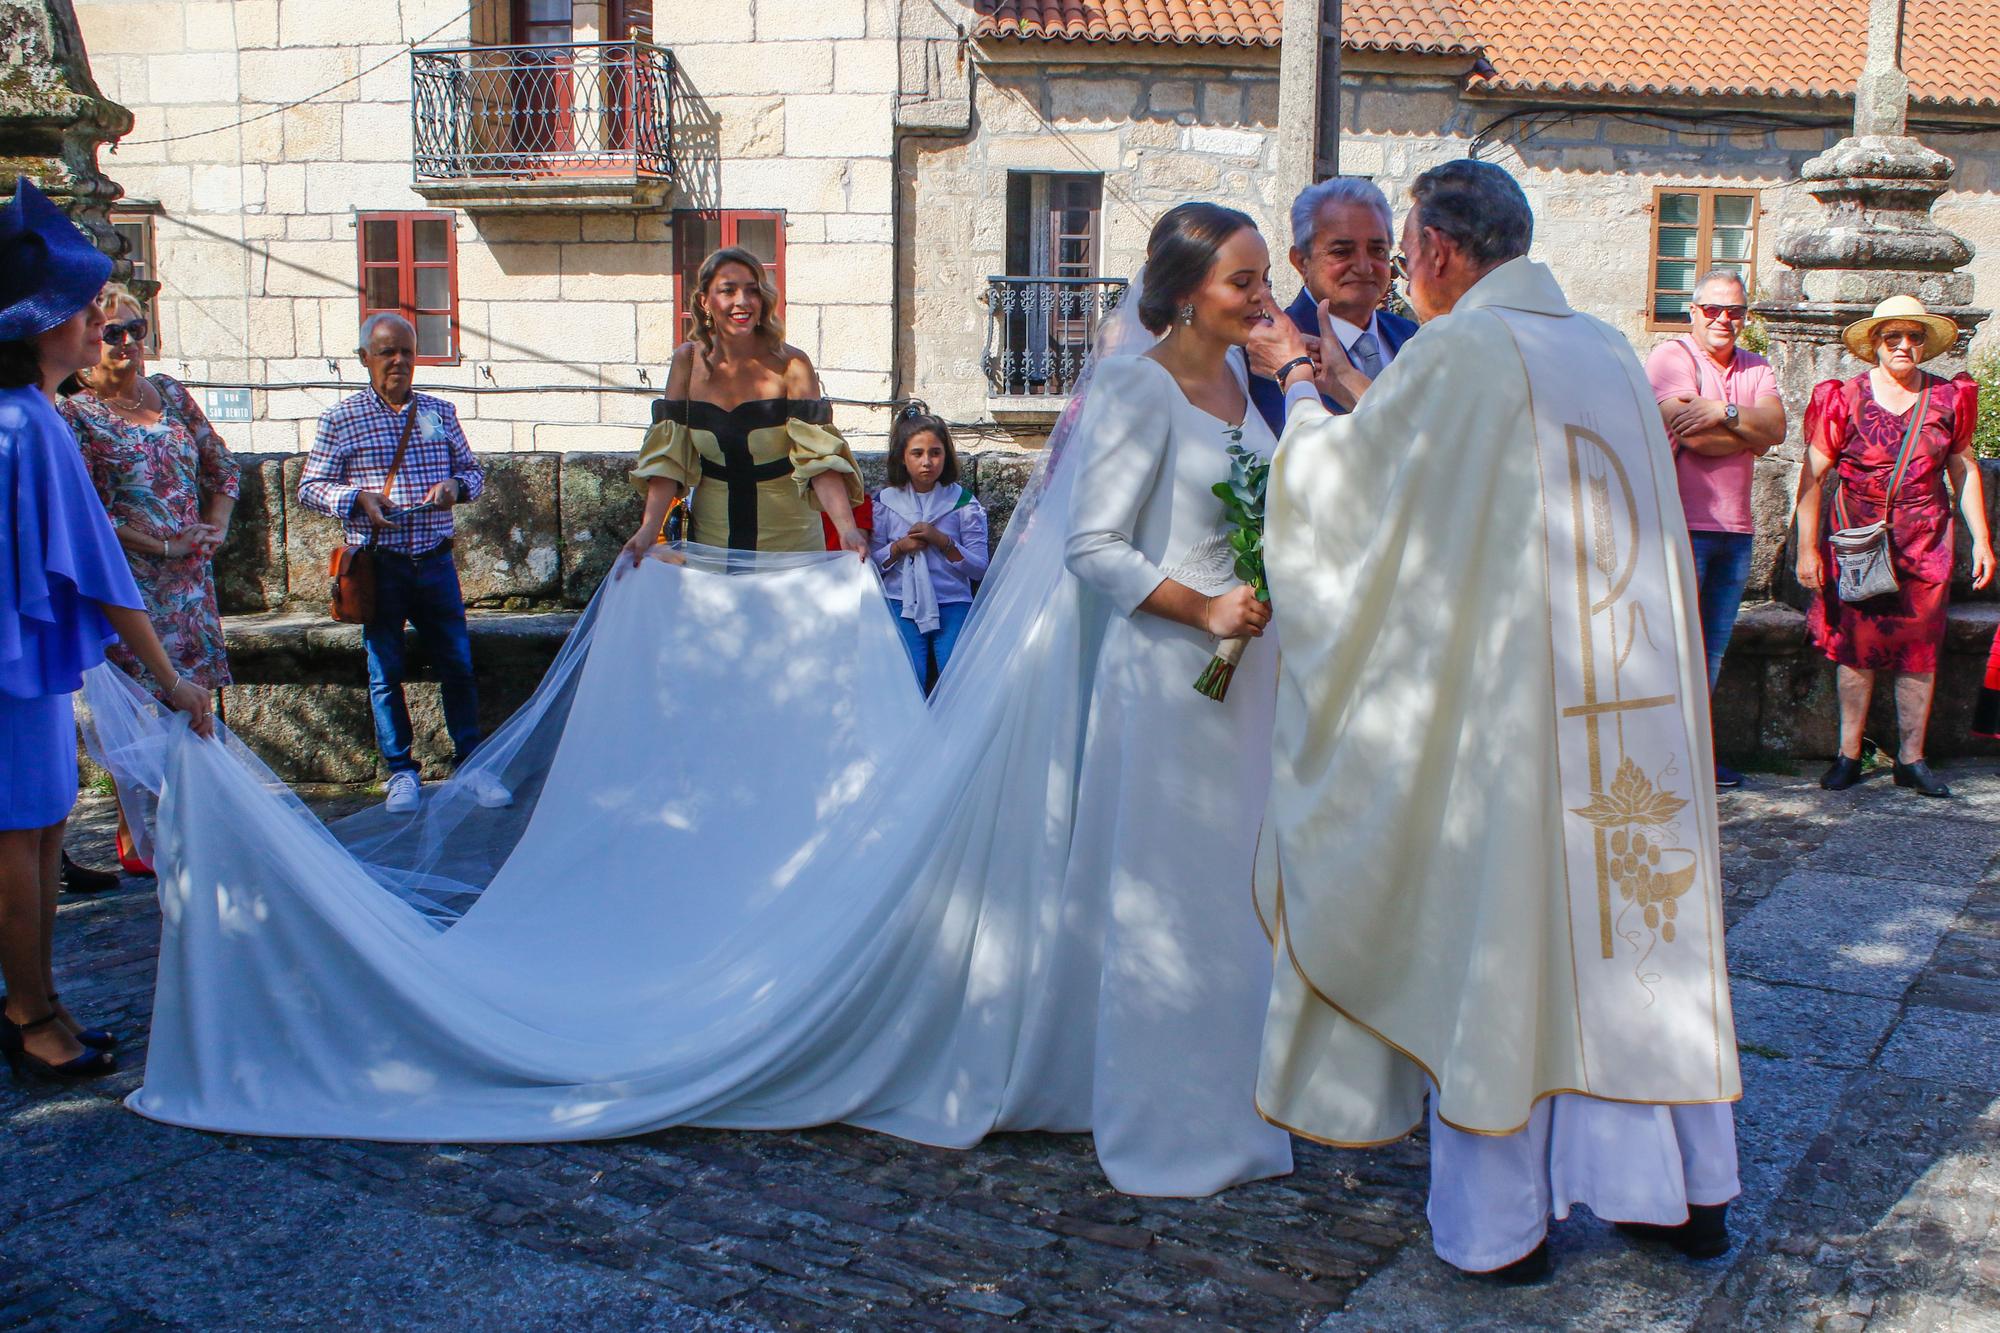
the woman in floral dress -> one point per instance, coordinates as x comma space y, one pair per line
1858, 427
170, 486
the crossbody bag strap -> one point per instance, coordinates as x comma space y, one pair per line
396, 459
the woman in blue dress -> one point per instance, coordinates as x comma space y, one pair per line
65, 591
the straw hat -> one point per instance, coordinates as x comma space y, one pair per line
1939, 331
49, 270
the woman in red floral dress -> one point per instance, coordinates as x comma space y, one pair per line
170, 485
1859, 425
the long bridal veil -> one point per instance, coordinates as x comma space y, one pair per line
750, 880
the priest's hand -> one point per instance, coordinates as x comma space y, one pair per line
1338, 379
1274, 342
1236, 614
1811, 569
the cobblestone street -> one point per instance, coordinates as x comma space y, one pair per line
1865, 944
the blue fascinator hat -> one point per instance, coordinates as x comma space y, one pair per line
49, 270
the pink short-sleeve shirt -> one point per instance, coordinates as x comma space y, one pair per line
1715, 492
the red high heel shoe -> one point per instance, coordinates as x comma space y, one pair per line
128, 855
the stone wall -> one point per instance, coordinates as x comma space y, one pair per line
1161, 132
786, 104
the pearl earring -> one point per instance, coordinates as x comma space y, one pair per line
1187, 313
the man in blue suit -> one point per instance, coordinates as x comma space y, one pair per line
1342, 247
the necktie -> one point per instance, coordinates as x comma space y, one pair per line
1366, 354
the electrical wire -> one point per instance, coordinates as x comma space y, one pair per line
356, 77
981, 429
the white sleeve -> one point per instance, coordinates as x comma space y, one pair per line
1121, 444
1306, 391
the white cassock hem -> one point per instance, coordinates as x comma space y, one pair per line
1492, 1195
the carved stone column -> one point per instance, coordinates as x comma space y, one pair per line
1876, 239
52, 117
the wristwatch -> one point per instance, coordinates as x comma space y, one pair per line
1289, 367
1729, 415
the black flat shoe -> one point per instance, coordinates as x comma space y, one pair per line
82, 879
1526, 1271
1919, 777
91, 1064
1727, 779
1844, 774
1705, 1235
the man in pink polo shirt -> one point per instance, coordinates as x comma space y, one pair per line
1722, 411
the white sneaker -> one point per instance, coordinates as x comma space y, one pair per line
402, 793
486, 790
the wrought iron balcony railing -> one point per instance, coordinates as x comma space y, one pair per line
1039, 330
564, 109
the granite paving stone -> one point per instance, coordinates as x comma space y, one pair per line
1844, 932
1865, 946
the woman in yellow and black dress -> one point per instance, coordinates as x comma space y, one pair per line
747, 428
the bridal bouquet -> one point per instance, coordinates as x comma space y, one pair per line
1242, 499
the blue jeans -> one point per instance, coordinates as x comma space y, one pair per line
936, 645
1721, 568
422, 592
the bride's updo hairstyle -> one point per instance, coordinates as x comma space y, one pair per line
1179, 256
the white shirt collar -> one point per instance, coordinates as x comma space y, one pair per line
1349, 332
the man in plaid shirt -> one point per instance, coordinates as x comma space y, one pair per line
416, 580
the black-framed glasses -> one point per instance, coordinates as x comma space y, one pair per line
133, 329
1733, 312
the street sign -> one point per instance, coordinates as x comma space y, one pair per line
228, 404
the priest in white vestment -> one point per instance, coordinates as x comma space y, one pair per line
1490, 864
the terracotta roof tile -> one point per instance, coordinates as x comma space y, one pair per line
1756, 48
1751, 48
1427, 27
1200, 22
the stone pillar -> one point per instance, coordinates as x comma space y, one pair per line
1308, 137
1877, 239
52, 117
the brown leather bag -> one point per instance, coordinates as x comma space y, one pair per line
352, 568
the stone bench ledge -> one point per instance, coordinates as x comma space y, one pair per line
1774, 629
303, 647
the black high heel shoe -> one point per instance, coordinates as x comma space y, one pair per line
91, 1064
97, 1039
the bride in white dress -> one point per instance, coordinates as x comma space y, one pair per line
1173, 783
720, 899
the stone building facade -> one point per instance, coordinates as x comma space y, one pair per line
268, 130
1160, 116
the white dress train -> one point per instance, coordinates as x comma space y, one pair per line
752, 882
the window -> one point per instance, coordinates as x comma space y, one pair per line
136, 226
1695, 231
700, 233
1046, 307
409, 264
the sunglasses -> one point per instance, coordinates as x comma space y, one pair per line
134, 329
1732, 312
1898, 337
1399, 267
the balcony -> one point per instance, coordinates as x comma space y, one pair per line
1038, 333
574, 125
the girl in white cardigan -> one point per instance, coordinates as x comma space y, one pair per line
929, 540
